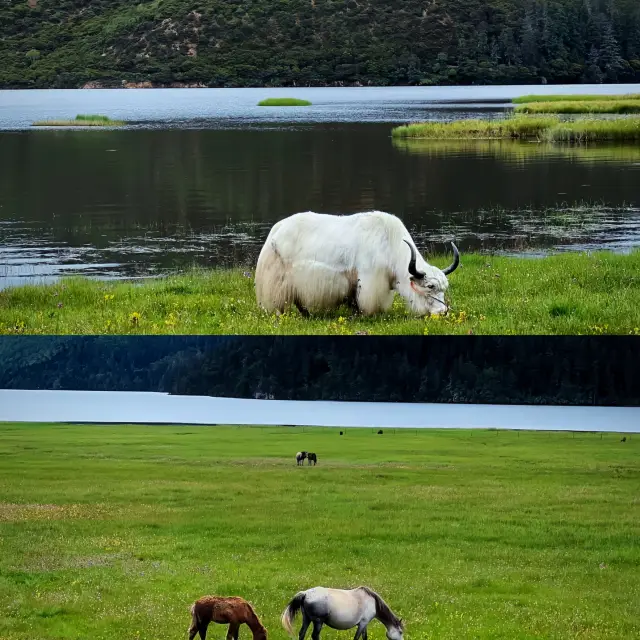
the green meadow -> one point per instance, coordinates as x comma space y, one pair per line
110, 532
568, 294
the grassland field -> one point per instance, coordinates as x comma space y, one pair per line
110, 532
565, 294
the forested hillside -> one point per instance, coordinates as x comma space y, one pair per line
563, 370
233, 43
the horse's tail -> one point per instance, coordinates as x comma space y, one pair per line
195, 619
291, 611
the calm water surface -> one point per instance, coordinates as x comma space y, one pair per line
200, 176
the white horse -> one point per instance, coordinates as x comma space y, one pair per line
300, 456
341, 609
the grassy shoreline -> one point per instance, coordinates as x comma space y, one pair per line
563, 294
548, 128
112, 531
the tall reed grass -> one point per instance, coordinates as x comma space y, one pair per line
523, 127
517, 128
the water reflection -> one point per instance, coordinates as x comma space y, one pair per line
521, 151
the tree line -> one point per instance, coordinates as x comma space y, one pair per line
263, 43
559, 370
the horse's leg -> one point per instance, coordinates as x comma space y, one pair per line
317, 627
232, 632
306, 621
202, 630
361, 632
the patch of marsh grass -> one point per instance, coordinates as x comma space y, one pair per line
488, 295
522, 127
283, 102
595, 130
575, 98
594, 106
82, 120
526, 127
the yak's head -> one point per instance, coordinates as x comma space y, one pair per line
429, 286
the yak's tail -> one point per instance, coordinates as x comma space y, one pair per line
291, 610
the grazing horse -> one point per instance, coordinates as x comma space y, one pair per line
312, 457
300, 456
233, 611
341, 609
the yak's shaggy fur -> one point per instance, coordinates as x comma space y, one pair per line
318, 261
232, 610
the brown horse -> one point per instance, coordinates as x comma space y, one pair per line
233, 611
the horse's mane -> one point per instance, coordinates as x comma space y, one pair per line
383, 612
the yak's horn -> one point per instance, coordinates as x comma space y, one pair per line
456, 261
412, 263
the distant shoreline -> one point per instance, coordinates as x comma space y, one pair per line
146, 84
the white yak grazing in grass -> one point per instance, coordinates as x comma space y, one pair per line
317, 261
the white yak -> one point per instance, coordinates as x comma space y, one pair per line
317, 261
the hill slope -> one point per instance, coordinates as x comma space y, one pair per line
68, 43
565, 370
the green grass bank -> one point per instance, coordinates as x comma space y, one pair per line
81, 121
526, 127
284, 102
110, 532
567, 294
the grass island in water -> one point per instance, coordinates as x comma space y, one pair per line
590, 106
284, 102
548, 128
568, 294
568, 104
81, 121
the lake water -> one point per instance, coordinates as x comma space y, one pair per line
140, 407
200, 175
